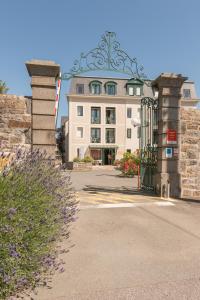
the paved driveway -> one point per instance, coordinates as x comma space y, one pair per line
106, 186
147, 251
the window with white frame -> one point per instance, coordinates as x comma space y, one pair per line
138, 91
79, 110
80, 88
186, 93
95, 135
79, 132
95, 87
131, 90
129, 112
111, 88
128, 133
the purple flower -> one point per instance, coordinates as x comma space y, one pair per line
62, 270
12, 211
22, 281
13, 252
6, 279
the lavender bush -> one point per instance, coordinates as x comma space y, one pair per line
37, 206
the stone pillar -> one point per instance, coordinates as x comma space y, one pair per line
168, 181
43, 82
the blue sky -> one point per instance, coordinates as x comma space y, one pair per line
163, 35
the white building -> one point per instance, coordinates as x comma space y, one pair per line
104, 114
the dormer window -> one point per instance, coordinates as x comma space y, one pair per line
95, 87
131, 90
138, 91
134, 87
186, 94
80, 88
111, 88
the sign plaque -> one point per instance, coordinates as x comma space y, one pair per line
171, 136
168, 153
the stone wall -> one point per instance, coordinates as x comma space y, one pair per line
15, 121
190, 153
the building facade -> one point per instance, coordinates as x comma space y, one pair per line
104, 116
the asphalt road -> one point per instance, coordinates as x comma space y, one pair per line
146, 252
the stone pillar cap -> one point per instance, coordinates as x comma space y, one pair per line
38, 67
169, 76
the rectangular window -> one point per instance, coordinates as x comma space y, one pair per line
128, 133
78, 152
80, 111
129, 112
110, 115
131, 91
95, 115
95, 135
128, 150
111, 89
79, 132
96, 88
186, 93
110, 135
80, 88
138, 91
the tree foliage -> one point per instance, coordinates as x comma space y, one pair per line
3, 87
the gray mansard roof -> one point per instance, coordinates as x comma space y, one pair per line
121, 86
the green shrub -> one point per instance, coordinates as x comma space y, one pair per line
87, 159
36, 207
76, 159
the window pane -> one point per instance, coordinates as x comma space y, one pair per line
78, 152
95, 135
96, 88
111, 89
129, 112
79, 110
79, 132
186, 93
129, 133
80, 88
95, 115
130, 91
138, 91
110, 135
110, 115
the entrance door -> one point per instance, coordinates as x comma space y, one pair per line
108, 156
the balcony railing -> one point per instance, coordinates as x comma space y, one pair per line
110, 120
96, 120
95, 140
110, 139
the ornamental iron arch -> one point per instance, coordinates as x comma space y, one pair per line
107, 56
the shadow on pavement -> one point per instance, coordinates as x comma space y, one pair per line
93, 189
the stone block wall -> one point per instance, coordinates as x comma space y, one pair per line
190, 153
15, 121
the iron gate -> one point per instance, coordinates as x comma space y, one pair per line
148, 142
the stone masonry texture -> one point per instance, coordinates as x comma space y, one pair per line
190, 153
15, 122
